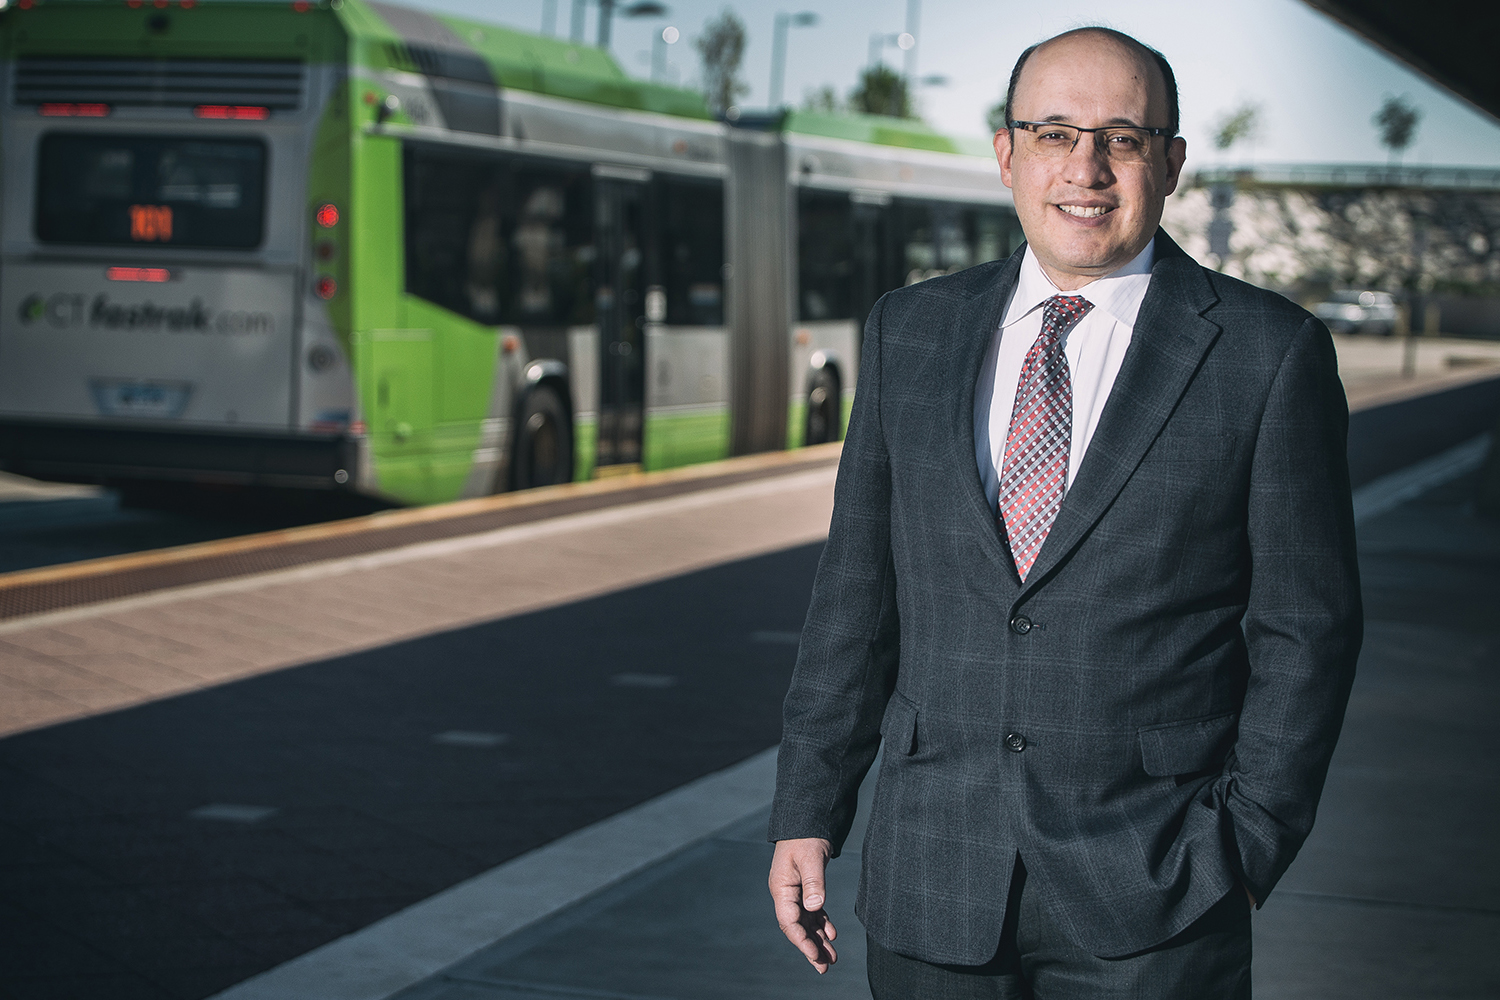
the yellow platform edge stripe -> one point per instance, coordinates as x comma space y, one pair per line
386, 520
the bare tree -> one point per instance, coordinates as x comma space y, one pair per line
722, 46
1397, 121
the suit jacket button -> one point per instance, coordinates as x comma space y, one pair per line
1020, 624
1015, 742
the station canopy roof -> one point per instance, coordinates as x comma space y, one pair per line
1450, 41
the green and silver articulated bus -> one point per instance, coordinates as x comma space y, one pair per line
349, 245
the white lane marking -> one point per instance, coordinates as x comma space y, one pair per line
777, 638
226, 812
427, 937
429, 550
470, 740
644, 679
1394, 489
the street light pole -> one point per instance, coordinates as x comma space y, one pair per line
575, 30
659, 42
913, 17
784, 21
606, 15
778, 58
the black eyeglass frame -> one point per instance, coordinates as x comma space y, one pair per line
1034, 126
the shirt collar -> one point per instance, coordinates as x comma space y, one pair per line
1119, 294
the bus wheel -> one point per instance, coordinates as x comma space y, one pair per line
544, 442
823, 405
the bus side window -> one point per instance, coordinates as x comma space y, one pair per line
825, 256
549, 228
450, 199
499, 239
692, 258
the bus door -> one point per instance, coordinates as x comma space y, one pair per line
620, 305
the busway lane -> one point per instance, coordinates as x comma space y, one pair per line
44, 524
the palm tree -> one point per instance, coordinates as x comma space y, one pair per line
1397, 121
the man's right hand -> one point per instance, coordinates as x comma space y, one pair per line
797, 888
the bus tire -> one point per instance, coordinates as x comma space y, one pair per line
543, 454
824, 408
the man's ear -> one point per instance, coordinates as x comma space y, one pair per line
1176, 156
1003, 150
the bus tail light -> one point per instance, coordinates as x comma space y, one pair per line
58, 109
327, 215
137, 274
232, 111
326, 287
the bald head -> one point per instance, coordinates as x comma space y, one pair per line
1157, 72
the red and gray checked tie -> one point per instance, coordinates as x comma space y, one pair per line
1035, 470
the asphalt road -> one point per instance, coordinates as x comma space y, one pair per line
173, 849
43, 532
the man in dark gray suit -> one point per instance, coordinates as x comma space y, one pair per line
1090, 578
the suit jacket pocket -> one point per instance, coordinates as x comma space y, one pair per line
1187, 747
899, 725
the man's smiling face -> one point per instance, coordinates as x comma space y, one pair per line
1084, 214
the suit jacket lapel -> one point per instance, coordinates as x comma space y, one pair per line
1167, 346
973, 330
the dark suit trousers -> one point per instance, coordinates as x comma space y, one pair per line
1036, 961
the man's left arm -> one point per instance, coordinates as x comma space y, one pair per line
1303, 622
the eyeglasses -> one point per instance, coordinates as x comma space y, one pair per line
1122, 143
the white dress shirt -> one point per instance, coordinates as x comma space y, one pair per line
1094, 348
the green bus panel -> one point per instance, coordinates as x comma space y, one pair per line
585, 434
674, 439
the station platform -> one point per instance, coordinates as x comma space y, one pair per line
523, 747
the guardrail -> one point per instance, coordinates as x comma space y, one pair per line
1353, 175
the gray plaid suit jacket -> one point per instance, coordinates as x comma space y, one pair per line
1194, 620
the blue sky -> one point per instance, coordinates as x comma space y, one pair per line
1316, 83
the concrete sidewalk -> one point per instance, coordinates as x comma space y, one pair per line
1397, 893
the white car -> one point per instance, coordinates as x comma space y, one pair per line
1358, 312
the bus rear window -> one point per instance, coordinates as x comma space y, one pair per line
132, 190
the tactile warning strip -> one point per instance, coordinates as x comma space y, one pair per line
52, 588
